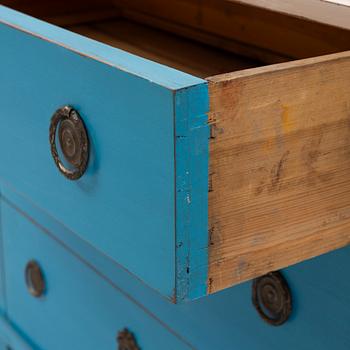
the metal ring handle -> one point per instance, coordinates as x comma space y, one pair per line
73, 139
272, 298
35, 279
126, 340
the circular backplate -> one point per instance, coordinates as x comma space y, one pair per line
34, 279
73, 140
126, 340
272, 298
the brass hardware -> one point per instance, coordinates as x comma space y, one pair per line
34, 279
272, 298
74, 142
126, 340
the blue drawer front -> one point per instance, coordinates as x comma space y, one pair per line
80, 310
228, 320
125, 204
320, 319
10, 339
3, 345
2, 277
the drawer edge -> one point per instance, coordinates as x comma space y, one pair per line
10, 335
157, 73
192, 181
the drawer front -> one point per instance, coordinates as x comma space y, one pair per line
2, 286
76, 308
124, 204
3, 345
279, 163
11, 339
320, 302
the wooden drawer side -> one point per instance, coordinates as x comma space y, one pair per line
256, 32
279, 165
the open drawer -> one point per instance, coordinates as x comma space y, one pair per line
194, 184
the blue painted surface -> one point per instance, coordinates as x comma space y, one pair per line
192, 149
119, 59
10, 339
79, 309
125, 203
227, 320
2, 277
2, 345
90, 295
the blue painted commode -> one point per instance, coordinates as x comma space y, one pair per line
153, 176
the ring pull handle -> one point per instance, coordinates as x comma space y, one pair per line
73, 140
34, 278
272, 298
126, 340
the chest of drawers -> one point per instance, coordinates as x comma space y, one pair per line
153, 154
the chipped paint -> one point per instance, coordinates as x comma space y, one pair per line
192, 184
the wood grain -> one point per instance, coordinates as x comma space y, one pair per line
254, 32
280, 166
269, 31
44, 9
166, 48
333, 12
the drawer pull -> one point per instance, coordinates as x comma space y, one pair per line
272, 298
126, 340
73, 140
34, 279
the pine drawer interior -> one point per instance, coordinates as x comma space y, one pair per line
279, 175
203, 38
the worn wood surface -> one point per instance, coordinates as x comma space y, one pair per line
280, 166
279, 184
333, 12
251, 31
166, 48
275, 34
43, 8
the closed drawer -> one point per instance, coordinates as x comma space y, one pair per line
10, 338
232, 311
199, 177
59, 302
3, 345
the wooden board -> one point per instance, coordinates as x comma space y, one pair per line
256, 32
333, 12
280, 167
43, 8
166, 48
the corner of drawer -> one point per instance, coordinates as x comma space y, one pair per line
192, 134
